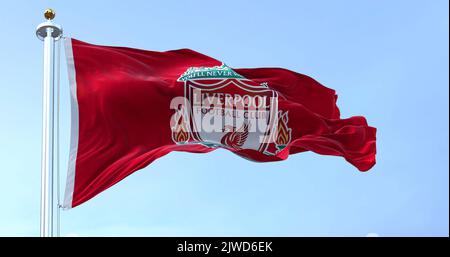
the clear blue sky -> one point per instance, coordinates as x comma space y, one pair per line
388, 61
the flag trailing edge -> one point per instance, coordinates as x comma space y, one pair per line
131, 106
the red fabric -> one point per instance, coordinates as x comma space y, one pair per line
123, 105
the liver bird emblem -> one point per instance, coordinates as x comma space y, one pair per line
236, 138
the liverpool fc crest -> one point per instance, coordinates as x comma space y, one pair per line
221, 108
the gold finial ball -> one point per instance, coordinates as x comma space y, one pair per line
49, 14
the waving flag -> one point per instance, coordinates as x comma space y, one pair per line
130, 107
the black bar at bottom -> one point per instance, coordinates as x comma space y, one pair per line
226, 246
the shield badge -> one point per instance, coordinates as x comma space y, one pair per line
223, 109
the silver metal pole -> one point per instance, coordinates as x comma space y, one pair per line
49, 33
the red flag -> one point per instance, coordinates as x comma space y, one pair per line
130, 107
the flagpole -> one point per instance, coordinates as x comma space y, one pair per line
49, 33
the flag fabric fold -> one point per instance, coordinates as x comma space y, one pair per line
132, 106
